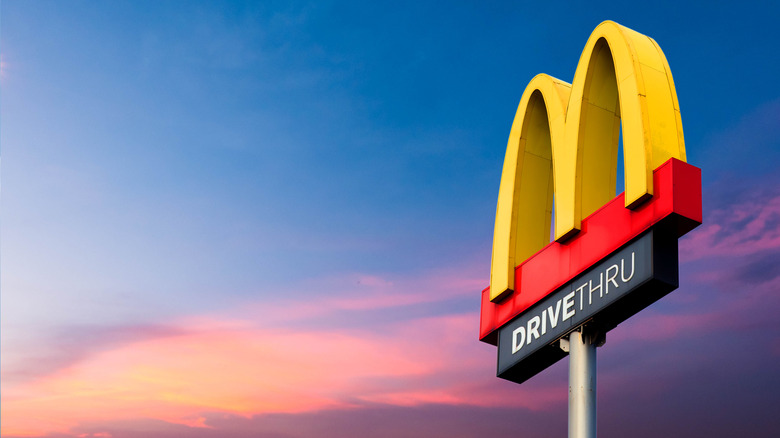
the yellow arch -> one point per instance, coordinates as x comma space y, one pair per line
573, 131
525, 197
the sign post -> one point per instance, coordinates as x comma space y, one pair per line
612, 256
582, 385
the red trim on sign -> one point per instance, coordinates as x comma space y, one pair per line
677, 187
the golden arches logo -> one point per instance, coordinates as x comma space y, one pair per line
564, 143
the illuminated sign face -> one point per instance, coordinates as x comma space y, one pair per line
606, 294
563, 146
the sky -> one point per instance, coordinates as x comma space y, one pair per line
274, 219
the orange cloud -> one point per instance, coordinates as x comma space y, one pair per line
244, 368
273, 358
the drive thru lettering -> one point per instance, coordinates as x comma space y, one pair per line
612, 290
526, 334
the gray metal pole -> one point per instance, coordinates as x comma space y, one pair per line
582, 386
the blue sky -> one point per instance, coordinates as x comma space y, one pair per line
197, 172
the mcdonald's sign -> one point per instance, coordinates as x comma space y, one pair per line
562, 152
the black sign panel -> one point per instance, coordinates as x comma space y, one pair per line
612, 290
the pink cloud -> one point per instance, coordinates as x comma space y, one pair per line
743, 229
247, 367
222, 364
261, 359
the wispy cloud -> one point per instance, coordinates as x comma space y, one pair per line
26, 359
263, 360
243, 368
743, 228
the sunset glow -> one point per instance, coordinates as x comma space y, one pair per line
274, 220
243, 368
